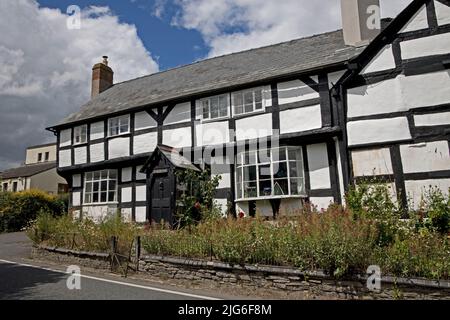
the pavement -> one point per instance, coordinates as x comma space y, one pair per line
22, 278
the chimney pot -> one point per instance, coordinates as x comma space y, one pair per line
102, 77
361, 21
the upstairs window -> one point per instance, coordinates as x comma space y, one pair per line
215, 107
80, 134
39, 157
273, 173
248, 101
47, 156
5, 187
119, 125
100, 187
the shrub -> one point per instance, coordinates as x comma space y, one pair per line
434, 211
18, 210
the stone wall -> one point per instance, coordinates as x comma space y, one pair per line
287, 279
258, 277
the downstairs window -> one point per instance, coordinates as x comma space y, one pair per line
100, 187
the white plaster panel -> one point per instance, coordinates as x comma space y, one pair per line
322, 203
222, 204
96, 213
433, 119
97, 152
442, 13
212, 133
372, 162
294, 91
126, 214
374, 131
97, 130
76, 199
141, 193
126, 195
139, 175
76, 180
425, 157
65, 138
267, 95
416, 189
178, 138
254, 127
225, 182
383, 61
76, 214
319, 168
300, 119
242, 207
290, 207
416, 89
80, 155
418, 22
427, 46
334, 77
119, 147
379, 98
145, 143
65, 158
180, 113
142, 120
141, 214
127, 174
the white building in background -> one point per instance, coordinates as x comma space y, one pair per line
38, 172
286, 124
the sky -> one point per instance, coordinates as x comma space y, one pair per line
45, 63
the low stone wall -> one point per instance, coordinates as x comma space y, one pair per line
287, 279
70, 257
255, 277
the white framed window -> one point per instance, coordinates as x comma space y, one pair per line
119, 125
80, 134
270, 173
215, 107
100, 187
248, 101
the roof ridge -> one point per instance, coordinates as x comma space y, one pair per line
227, 55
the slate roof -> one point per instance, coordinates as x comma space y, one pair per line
296, 56
27, 170
173, 155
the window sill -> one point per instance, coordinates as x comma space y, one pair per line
100, 204
221, 119
249, 114
80, 144
272, 198
127, 134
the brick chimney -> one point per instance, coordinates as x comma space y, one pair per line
361, 21
102, 77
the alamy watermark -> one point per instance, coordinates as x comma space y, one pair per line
74, 280
374, 279
74, 17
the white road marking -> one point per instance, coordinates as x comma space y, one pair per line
116, 282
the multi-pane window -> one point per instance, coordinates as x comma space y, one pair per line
80, 134
100, 187
270, 173
215, 107
248, 101
119, 125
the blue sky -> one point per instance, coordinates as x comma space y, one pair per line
171, 46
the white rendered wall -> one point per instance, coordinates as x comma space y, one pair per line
126, 195
319, 168
418, 22
433, 119
76, 181
425, 157
65, 158
142, 120
145, 143
427, 46
416, 189
212, 133
65, 138
383, 61
141, 214
295, 91
180, 113
76, 199
141, 193
177, 138
442, 13
416, 89
97, 152
300, 119
127, 174
97, 130
254, 127
372, 162
322, 203
119, 147
80, 155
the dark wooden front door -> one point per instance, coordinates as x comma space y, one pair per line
161, 199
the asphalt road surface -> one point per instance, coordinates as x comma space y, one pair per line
21, 278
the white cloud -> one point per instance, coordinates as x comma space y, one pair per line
234, 25
45, 68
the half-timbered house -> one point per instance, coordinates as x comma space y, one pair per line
282, 125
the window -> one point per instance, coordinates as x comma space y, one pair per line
5, 187
248, 101
80, 134
39, 157
215, 107
100, 187
63, 188
119, 125
47, 156
15, 186
273, 173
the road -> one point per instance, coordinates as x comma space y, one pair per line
21, 278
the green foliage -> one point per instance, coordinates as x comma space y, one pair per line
201, 187
84, 234
18, 210
434, 211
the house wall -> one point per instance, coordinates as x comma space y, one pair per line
47, 181
33, 152
399, 113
